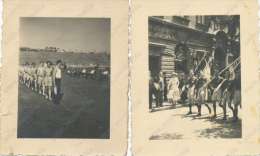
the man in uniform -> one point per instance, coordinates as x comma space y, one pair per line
157, 91
151, 91
161, 83
57, 73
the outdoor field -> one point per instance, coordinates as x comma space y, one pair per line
84, 111
66, 57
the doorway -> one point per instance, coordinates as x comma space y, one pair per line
154, 64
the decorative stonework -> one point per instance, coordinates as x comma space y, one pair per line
158, 31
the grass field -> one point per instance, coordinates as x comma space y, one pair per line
84, 111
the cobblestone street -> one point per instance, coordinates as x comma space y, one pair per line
175, 124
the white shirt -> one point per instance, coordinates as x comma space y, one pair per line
58, 73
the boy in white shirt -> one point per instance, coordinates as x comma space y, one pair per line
57, 82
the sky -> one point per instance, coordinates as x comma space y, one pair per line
84, 34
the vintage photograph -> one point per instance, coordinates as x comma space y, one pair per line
195, 77
64, 78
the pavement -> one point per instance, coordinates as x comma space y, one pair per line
174, 124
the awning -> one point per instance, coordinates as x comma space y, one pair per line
157, 44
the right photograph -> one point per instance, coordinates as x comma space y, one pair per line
195, 77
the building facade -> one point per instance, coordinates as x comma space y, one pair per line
176, 41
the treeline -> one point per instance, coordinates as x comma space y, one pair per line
69, 58
55, 49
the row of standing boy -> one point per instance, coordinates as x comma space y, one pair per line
44, 78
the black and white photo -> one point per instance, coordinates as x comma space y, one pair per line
64, 78
195, 76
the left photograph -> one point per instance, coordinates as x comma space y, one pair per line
64, 78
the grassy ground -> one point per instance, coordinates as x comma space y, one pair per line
84, 111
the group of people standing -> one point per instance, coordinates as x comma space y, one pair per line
199, 88
44, 78
162, 90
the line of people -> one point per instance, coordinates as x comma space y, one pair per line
197, 90
44, 78
95, 73
222, 90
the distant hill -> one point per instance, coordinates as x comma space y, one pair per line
70, 58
